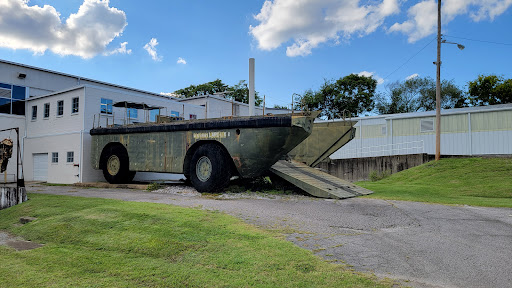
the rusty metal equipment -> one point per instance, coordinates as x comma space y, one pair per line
6, 148
13, 191
5, 153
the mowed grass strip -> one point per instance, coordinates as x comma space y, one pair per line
469, 181
92, 242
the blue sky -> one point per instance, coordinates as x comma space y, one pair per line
296, 44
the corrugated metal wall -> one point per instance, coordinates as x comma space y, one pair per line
468, 133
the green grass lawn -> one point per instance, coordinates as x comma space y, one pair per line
470, 181
92, 242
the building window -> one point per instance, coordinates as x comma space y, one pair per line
175, 114
426, 125
12, 99
70, 157
34, 112
192, 116
5, 101
74, 105
46, 110
132, 113
55, 157
60, 108
106, 106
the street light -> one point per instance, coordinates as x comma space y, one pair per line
438, 79
460, 46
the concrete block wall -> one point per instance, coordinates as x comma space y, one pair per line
359, 169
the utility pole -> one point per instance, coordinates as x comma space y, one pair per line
438, 84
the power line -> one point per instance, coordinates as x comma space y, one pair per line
483, 41
410, 59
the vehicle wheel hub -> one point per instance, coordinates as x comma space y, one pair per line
204, 169
113, 165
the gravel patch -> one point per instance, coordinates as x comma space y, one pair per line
181, 190
259, 196
188, 191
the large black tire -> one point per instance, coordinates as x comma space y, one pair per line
131, 175
210, 169
115, 165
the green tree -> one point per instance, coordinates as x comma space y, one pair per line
238, 92
490, 90
203, 89
419, 94
352, 94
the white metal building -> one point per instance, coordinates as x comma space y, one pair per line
217, 106
468, 131
55, 112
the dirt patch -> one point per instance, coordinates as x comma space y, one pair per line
16, 242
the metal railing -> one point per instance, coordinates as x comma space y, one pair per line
413, 147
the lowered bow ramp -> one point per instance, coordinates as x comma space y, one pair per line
315, 182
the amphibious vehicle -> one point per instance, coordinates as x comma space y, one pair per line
208, 152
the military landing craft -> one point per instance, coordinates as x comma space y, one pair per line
208, 152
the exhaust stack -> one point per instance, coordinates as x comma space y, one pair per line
251, 87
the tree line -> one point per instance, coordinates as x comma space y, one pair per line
238, 92
353, 95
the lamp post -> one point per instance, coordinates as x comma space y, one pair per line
438, 79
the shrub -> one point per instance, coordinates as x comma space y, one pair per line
154, 186
376, 176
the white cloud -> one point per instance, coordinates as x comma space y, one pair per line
422, 16
181, 61
85, 33
121, 50
151, 48
412, 76
309, 23
380, 80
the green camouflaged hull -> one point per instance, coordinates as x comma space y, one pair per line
253, 144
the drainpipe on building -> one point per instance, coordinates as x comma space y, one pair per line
80, 166
361, 136
391, 135
470, 140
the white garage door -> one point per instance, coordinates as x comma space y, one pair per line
41, 167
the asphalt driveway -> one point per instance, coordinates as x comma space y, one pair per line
424, 245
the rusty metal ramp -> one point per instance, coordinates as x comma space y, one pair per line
315, 182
